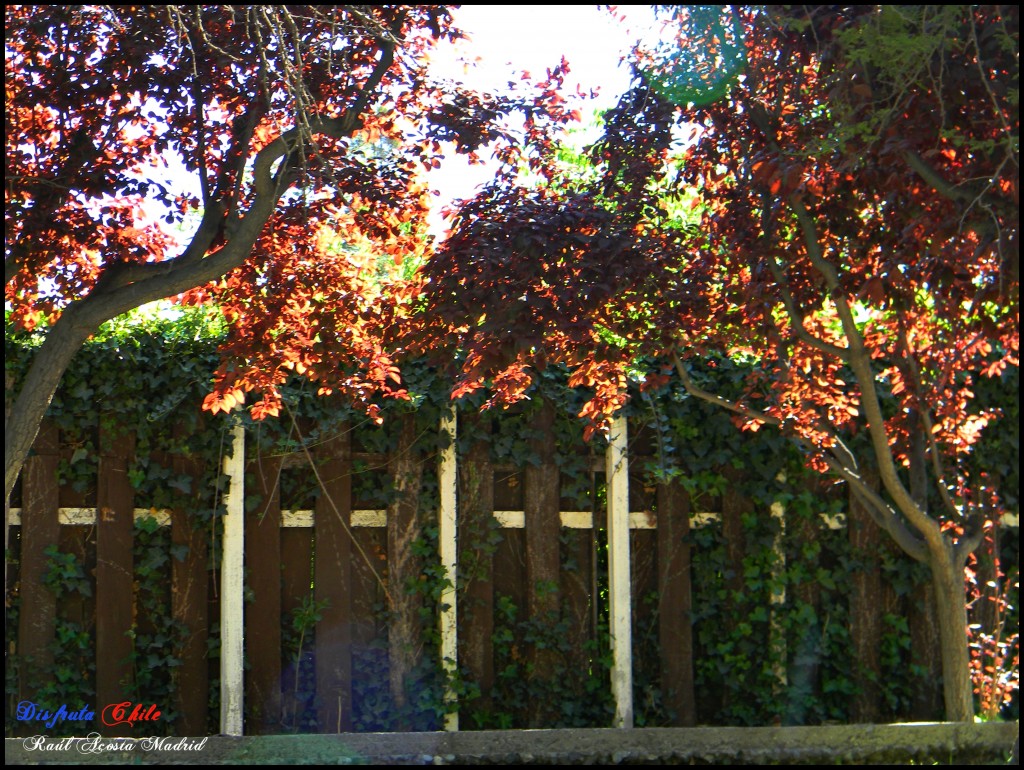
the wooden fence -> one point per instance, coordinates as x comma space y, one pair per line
342, 562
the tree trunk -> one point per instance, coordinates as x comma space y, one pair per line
927, 704
84, 316
21, 424
23, 417
950, 602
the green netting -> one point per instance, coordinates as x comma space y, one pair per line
704, 58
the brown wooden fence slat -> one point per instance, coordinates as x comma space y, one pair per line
405, 644
333, 583
643, 583
188, 608
115, 525
578, 598
189, 605
865, 620
576, 580
509, 563
80, 542
543, 529
263, 614
476, 564
296, 582
734, 505
40, 529
643, 579
368, 628
926, 653
804, 671
675, 629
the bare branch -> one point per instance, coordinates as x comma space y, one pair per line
881, 512
796, 317
926, 424
337, 127
695, 390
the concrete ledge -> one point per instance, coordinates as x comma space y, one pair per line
846, 744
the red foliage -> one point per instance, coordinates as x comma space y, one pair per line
857, 194
305, 129
529, 278
837, 219
850, 211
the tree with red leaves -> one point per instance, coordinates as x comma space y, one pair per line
305, 130
853, 177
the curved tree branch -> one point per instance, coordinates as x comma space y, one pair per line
695, 390
125, 287
935, 179
796, 316
337, 127
859, 360
842, 463
882, 513
927, 426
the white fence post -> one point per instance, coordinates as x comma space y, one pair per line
232, 610
620, 621
448, 546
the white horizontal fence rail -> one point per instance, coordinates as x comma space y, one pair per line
369, 517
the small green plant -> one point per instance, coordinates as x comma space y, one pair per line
296, 639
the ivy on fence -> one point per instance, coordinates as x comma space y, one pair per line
771, 595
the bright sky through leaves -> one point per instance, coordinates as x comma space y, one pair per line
506, 41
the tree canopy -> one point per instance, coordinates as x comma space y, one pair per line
301, 126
